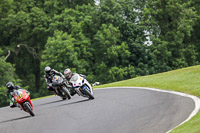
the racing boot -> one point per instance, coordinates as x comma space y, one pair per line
72, 92
12, 104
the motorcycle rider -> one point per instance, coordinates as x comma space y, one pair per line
68, 74
49, 73
10, 93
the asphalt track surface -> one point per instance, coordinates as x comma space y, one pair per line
119, 110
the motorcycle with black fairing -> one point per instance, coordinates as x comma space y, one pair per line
59, 86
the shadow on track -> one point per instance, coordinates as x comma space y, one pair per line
74, 102
50, 102
16, 119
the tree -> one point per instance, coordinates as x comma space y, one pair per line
60, 52
7, 73
192, 51
126, 15
25, 33
78, 24
54, 7
5, 7
170, 23
110, 54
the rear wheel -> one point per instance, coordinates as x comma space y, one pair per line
28, 108
67, 95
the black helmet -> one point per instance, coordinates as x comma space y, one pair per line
47, 69
10, 85
68, 73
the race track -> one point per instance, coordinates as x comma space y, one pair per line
119, 110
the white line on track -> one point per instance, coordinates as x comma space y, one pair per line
195, 99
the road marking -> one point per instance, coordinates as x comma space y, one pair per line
195, 99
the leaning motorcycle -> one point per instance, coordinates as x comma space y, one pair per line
23, 101
59, 87
82, 86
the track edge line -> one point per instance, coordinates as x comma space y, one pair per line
194, 98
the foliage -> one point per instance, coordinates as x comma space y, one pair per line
170, 25
7, 73
106, 42
60, 52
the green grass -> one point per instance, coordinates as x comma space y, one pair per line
185, 80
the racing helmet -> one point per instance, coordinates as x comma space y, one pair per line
47, 69
67, 73
10, 85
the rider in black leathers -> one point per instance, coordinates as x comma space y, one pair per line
49, 76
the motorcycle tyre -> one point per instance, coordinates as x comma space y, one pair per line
29, 109
67, 95
89, 94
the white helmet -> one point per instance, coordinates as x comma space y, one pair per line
47, 69
68, 73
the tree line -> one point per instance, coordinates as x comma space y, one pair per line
110, 41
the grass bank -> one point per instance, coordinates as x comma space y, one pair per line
186, 80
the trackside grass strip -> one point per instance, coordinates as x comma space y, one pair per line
186, 80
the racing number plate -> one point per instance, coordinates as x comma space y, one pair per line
20, 96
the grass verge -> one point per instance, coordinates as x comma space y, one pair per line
186, 80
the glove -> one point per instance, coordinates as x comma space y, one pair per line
82, 75
62, 75
49, 85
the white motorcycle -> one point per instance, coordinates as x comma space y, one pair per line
82, 86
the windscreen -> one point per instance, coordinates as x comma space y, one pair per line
18, 92
74, 78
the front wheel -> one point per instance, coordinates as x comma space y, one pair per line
89, 94
28, 108
67, 95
